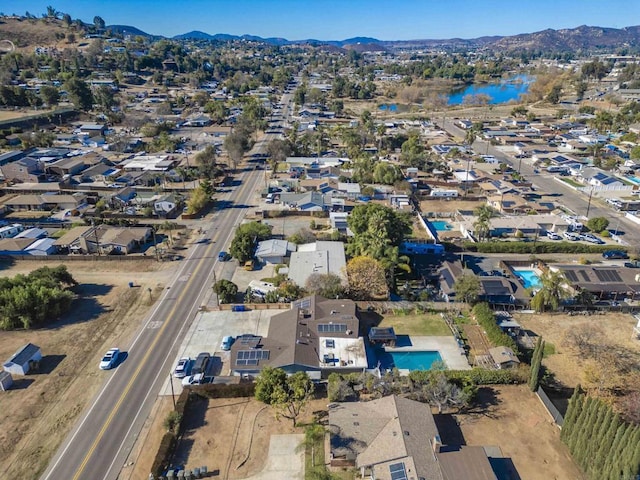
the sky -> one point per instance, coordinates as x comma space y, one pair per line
341, 19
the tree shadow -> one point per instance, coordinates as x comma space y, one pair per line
194, 418
85, 307
6, 263
48, 364
368, 319
485, 403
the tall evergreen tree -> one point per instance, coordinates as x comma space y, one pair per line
579, 425
573, 411
593, 433
628, 461
615, 471
536, 361
615, 446
604, 448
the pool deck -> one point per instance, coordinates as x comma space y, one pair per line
452, 355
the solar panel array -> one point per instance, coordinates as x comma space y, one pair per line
397, 471
303, 302
608, 276
251, 357
332, 327
571, 275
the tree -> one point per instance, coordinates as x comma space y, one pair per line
71, 37
392, 225
98, 22
278, 151
440, 392
50, 95
554, 94
79, 94
366, 279
536, 361
236, 145
288, 395
52, 12
386, 173
328, 285
206, 161
246, 238
598, 224
551, 292
226, 291
467, 287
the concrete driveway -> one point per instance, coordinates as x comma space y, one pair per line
285, 460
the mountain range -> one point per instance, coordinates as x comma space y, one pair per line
583, 38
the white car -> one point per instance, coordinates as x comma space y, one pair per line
553, 236
226, 343
196, 379
182, 368
110, 358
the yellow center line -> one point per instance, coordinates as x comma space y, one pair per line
115, 409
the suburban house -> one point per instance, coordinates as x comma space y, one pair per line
24, 170
306, 202
45, 202
316, 335
23, 360
103, 240
274, 251
394, 438
166, 206
604, 282
318, 257
503, 357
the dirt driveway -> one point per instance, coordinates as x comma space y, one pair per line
41, 410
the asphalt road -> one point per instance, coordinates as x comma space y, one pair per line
564, 195
103, 437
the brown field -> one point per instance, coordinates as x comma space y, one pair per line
515, 420
39, 413
566, 365
23, 112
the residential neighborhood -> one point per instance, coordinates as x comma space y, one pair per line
318, 259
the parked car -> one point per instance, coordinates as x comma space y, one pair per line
553, 236
223, 256
110, 358
196, 379
182, 368
571, 236
615, 255
634, 264
226, 343
201, 363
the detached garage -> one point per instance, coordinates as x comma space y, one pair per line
23, 360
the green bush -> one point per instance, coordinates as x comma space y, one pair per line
216, 390
535, 247
477, 375
165, 451
485, 317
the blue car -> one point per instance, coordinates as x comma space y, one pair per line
223, 256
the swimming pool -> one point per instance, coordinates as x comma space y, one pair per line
633, 178
529, 277
417, 360
441, 225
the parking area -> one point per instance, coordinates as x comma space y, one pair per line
206, 334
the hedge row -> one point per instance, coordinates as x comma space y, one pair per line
477, 375
170, 439
219, 390
535, 247
485, 317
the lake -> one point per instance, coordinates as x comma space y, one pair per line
499, 92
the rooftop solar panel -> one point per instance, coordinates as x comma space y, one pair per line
571, 275
398, 471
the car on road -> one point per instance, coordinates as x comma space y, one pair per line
182, 368
197, 379
110, 358
615, 255
224, 256
226, 343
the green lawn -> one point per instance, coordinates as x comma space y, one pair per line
424, 324
573, 183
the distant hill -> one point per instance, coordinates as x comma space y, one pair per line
194, 35
28, 33
129, 30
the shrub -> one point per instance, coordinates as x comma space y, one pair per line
535, 247
172, 421
485, 317
165, 451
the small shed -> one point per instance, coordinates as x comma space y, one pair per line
6, 380
503, 357
382, 336
23, 360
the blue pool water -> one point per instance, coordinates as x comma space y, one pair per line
501, 92
441, 225
408, 360
529, 277
633, 179
391, 107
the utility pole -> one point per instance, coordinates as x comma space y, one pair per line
173, 395
589, 204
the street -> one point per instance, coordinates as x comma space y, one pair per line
104, 435
545, 182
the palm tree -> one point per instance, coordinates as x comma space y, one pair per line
169, 227
551, 292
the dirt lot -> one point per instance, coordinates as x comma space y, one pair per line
222, 433
515, 420
41, 410
447, 206
566, 365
